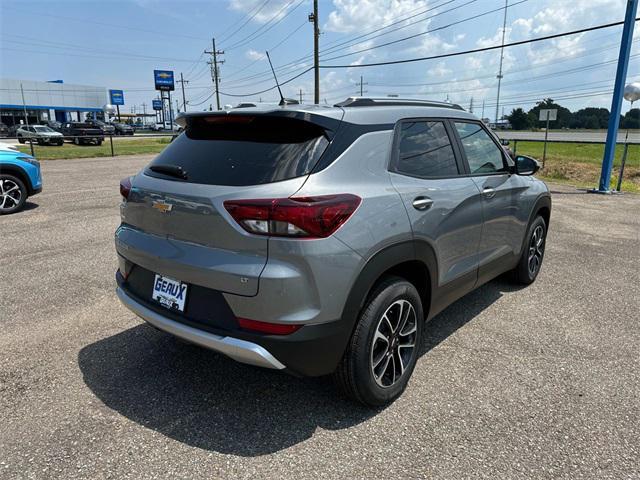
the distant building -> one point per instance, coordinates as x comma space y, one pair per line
48, 101
501, 124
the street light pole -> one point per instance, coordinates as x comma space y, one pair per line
500, 76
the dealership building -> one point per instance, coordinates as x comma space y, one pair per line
45, 101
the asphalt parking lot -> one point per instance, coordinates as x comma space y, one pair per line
541, 382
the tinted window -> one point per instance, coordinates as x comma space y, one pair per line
244, 150
483, 155
425, 150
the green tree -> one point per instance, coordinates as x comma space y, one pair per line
564, 114
631, 119
519, 119
584, 118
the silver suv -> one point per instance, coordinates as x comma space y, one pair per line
318, 239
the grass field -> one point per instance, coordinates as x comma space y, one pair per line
579, 163
121, 146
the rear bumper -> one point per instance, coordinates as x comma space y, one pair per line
240, 350
313, 350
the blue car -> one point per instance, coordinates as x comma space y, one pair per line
19, 178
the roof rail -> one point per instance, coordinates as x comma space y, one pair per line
390, 101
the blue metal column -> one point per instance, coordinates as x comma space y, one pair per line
616, 104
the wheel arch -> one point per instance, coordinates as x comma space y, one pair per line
542, 207
413, 260
18, 172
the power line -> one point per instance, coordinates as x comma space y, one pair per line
267, 73
404, 39
287, 37
479, 50
338, 47
68, 54
403, 19
249, 18
268, 89
266, 26
94, 22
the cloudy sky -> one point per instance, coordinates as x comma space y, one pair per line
117, 44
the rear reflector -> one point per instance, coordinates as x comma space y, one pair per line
125, 187
265, 327
301, 217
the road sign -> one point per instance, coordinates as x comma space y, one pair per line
163, 80
116, 97
157, 104
550, 115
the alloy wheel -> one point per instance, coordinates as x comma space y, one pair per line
536, 250
394, 343
10, 194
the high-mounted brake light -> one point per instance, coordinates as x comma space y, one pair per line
125, 187
301, 217
266, 327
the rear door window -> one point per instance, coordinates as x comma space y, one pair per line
483, 154
239, 150
425, 150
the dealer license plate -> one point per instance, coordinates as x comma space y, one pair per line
169, 293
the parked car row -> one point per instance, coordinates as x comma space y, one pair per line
159, 126
80, 133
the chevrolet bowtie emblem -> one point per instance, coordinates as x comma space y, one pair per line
162, 207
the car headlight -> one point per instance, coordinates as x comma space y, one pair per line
30, 160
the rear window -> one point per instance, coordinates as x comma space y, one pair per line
239, 150
425, 150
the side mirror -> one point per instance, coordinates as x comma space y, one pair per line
504, 142
526, 165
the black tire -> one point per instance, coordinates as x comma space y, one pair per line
4, 201
355, 374
529, 267
99, 142
20, 140
60, 143
41, 142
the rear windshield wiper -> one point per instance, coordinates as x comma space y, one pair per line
171, 170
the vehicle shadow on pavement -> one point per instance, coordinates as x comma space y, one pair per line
29, 206
208, 401
461, 312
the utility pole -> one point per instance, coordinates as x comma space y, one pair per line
313, 17
361, 85
144, 113
215, 71
300, 95
504, 31
471, 105
26, 119
184, 101
482, 110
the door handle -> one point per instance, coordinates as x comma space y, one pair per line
488, 192
422, 203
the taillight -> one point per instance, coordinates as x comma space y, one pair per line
266, 327
125, 187
301, 217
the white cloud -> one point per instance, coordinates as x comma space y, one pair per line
440, 70
362, 15
252, 54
